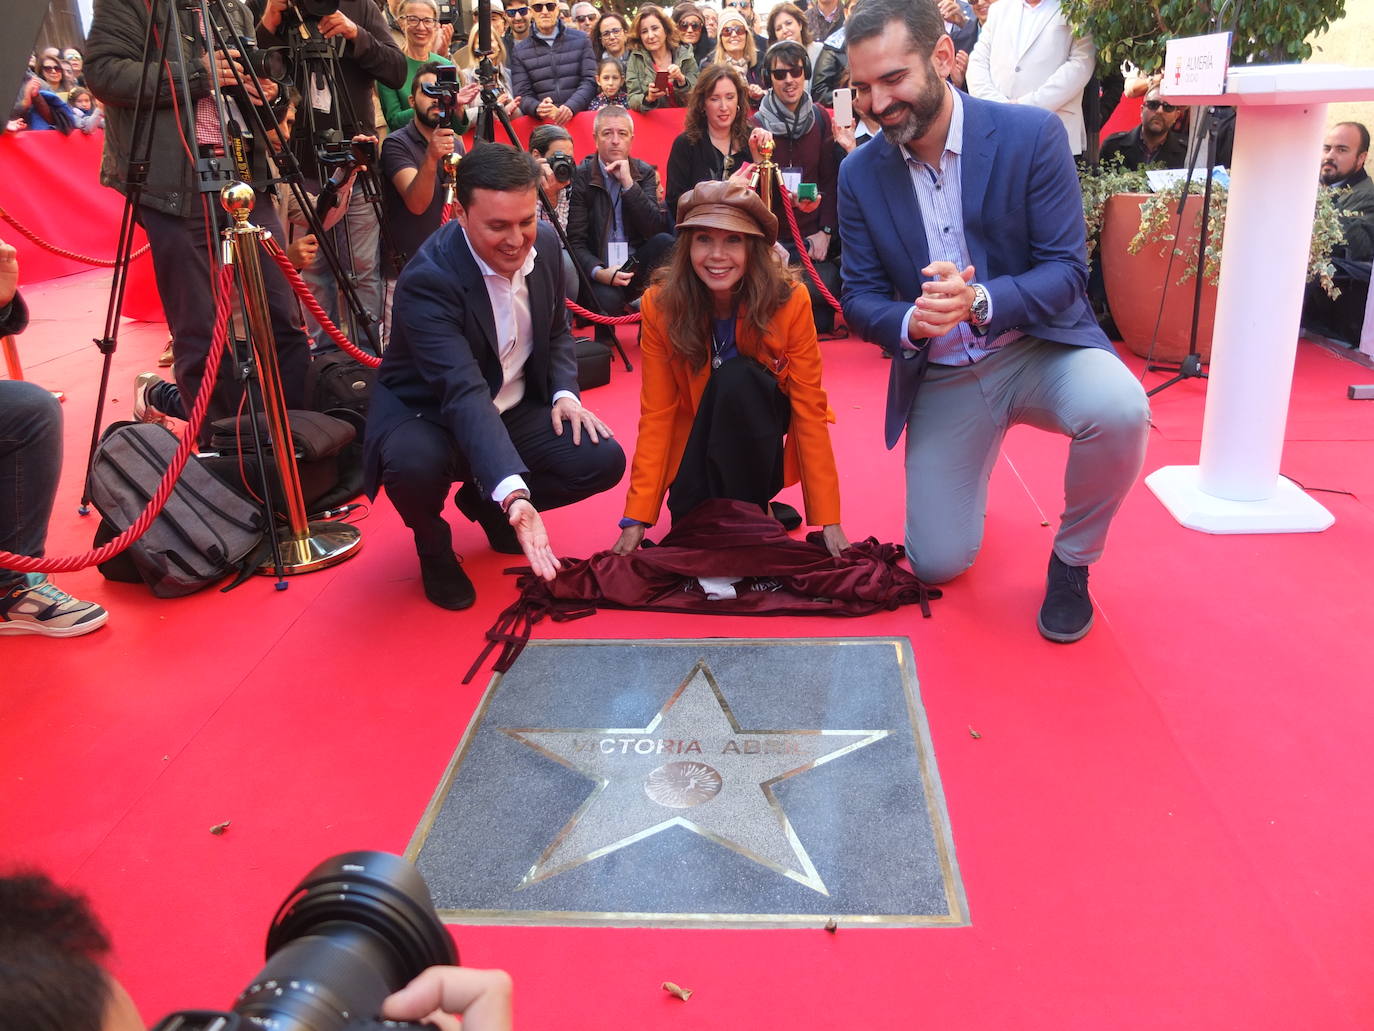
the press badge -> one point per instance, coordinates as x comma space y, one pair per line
617, 253
791, 178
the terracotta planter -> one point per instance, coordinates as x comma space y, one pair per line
1136, 282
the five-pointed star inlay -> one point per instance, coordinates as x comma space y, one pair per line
692, 766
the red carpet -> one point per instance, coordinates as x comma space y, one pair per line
1163, 826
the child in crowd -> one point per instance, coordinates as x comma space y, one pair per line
611, 79
85, 112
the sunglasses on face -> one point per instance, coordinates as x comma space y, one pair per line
740, 6
543, 8
584, 17
733, 30
690, 26
414, 20
1155, 105
785, 73
52, 68
517, 12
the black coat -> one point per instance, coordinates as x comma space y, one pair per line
443, 364
691, 163
590, 216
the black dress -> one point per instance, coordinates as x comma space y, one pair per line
691, 163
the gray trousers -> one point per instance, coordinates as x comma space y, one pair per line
955, 430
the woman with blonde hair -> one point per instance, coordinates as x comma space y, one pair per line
735, 46
731, 402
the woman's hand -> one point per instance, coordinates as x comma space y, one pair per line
629, 540
757, 139
835, 540
676, 74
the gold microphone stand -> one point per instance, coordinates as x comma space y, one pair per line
306, 546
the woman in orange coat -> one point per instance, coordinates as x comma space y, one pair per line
731, 404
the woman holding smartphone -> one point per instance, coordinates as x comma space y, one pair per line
731, 404
659, 71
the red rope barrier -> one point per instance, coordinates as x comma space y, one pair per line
313, 306
61, 252
605, 320
28, 564
805, 257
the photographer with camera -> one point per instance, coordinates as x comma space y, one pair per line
355, 33
176, 216
53, 952
552, 147
414, 164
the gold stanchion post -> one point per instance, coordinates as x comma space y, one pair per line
765, 174
307, 546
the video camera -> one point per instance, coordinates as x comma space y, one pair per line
346, 155
359, 927
444, 89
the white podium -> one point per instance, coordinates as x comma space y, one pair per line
1280, 122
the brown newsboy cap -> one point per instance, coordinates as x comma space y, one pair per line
729, 205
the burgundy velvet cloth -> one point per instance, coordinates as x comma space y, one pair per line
720, 538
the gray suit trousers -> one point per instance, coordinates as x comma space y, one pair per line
955, 430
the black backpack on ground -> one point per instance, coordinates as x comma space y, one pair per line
337, 382
206, 531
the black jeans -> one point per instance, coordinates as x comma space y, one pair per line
613, 300
421, 461
735, 447
181, 266
30, 461
829, 272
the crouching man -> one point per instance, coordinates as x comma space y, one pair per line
478, 385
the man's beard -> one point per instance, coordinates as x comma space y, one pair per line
921, 112
1329, 175
430, 119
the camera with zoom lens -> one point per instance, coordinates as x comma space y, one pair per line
561, 165
357, 928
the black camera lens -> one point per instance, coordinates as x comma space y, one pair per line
562, 166
317, 9
357, 928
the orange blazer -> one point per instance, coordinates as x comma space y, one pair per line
671, 391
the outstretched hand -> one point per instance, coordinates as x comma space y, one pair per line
534, 539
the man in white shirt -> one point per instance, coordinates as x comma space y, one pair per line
479, 382
1027, 54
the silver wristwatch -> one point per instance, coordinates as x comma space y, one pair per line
981, 310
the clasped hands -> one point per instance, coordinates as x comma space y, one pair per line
946, 300
558, 114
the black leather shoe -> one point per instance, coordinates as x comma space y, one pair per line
785, 514
1067, 613
445, 582
488, 515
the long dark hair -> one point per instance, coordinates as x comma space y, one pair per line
694, 124
687, 305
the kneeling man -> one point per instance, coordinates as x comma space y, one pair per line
964, 256
479, 382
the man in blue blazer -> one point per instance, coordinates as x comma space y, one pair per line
479, 382
964, 257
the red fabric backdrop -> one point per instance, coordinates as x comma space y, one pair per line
50, 183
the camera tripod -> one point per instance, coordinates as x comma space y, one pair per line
189, 32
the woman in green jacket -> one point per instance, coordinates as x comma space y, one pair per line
656, 50
419, 21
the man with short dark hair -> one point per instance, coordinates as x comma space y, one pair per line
614, 215
479, 382
1153, 141
1344, 152
805, 152
412, 163
964, 256
553, 71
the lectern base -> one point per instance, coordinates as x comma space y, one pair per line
1287, 510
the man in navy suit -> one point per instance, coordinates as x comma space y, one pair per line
964, 257
479, 382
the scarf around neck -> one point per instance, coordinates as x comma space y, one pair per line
774, 116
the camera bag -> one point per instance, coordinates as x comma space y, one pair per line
336, 381
323, 457
205, 532
593, 363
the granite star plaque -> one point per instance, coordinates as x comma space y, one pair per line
700, 783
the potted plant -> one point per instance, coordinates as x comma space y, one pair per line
1136, 236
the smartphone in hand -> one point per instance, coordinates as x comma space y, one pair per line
843, 106
662, 83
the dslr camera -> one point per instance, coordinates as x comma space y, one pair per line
561, 165
357, 928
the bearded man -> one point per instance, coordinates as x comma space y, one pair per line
983, 307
